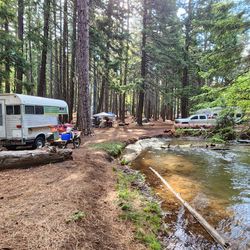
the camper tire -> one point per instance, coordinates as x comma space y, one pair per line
39, 142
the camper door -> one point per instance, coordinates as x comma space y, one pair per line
2, 120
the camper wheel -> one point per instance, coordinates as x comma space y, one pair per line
39, 142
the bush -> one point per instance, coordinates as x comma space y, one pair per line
217, 139
225, 119
227, 133
224, 129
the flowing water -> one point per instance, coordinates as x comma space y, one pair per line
215, 183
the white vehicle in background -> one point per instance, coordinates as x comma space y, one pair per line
210, 112
197, 119
235, 112
209, 116
26, 120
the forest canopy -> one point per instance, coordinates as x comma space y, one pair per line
151, 58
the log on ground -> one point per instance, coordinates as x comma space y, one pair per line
30, 158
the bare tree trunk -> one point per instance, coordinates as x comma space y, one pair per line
120, 106
42, 90
19, 70
30, 73
64, 48
83, 66
133, 104
107, 57
61, 52
185, 78
106, 79
51, 73
126, 65
94, 88
73, 64
31, 70
143, 65
100, 104
7, 63
56, 64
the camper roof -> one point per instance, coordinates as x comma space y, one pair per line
36, 100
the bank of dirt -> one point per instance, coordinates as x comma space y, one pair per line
38, 205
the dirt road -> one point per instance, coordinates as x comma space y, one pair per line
69, 205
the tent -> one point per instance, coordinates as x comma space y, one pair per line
104, 114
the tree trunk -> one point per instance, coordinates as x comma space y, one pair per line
133, 104
51, 72
30, 73
184, 98
143, 65
19, 70
41, 90
61, 52
64, 48
107, 57
83, 66
56, 64
100, 104
7, 63
94, 88
185, 78
126, 65
106, 79
73, 64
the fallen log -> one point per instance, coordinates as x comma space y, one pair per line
243, 141
30, 158
216, 236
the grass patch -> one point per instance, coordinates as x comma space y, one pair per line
179, 132
144, 214
124, 162
77, 216
112, 148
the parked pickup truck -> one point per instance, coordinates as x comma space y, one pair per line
197, 119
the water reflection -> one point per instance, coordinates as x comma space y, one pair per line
217, 184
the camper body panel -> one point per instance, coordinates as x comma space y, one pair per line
2, 119
12, 121
24, 118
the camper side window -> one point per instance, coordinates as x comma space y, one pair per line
29, 110
39, 110
13, 110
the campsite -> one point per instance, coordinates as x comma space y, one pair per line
124, 124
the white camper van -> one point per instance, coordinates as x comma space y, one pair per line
26, 120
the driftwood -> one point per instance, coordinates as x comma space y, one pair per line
217, 237
29, 158
243, 141
207, 146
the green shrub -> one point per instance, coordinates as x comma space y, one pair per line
217, 139
227, 133
112, 148
225, 119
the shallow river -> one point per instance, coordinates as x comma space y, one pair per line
215, 183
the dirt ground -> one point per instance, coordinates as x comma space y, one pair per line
37, 204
